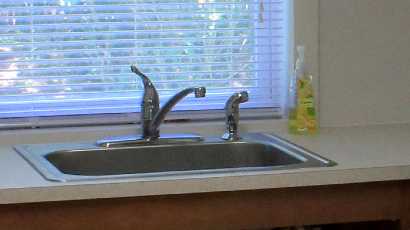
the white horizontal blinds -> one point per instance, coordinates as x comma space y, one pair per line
70, 57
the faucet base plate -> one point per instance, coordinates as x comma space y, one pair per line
138, 139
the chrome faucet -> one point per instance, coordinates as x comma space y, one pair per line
151, 115
149, 103
232, 115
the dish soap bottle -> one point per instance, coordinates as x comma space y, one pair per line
302, 113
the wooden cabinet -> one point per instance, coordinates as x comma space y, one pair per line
258, 209
372, 225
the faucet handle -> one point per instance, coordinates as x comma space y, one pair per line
134, 69
138, 72
147, 82
149, 103
232, 115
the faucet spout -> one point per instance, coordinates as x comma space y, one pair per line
149, 103
232, 115
160, 116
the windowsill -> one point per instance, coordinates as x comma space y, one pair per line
92, 133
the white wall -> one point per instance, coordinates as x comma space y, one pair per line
364, 61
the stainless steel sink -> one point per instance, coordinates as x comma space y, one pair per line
85, 161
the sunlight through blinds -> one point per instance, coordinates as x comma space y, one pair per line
72, 57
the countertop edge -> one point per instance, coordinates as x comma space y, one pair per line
202, 185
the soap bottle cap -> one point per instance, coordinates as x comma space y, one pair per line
300, 61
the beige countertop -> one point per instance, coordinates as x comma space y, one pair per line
363, 154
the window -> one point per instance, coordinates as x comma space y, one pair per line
73, 57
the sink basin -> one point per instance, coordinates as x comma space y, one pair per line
85, 161
152, 159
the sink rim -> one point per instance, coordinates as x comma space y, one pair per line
39, 162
